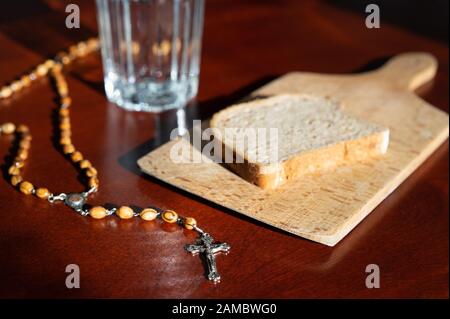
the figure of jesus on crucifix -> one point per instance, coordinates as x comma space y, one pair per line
205, 245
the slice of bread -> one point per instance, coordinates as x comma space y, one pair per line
313, 135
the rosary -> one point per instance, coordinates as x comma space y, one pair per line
204, 245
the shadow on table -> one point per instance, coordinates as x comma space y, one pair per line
166, 121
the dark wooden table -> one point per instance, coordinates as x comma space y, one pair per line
246, 43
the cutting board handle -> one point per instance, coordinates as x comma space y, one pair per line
408, 70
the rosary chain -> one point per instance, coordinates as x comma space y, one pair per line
53, 67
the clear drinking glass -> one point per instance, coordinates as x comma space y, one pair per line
151, 51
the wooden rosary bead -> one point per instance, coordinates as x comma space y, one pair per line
91, 172
16, 86
57, 68
65, 140
125, 212
66, 59
68, 149
65, 133
64, 111
26, 81
19, 164
43, 193
16, 180
76, 157
5, 92
85, 164
63, 57
63, 90
82, 49
60, 82
22, 154
62, 87
58, 77
92, 44
49, 64
8, 128
64, 120
26, 187
41, 70
25, 144
189, 223
23, 129
65, 101
14, 170
97, 212
93, 182
73, 50
65, 125
169, 216
148, 214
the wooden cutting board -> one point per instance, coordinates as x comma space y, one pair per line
326, 207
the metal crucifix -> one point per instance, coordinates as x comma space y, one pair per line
205, 245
